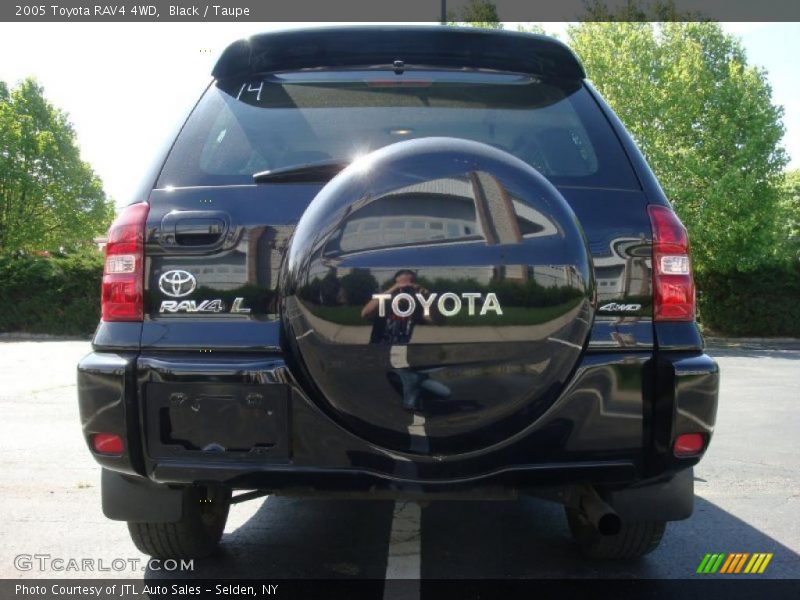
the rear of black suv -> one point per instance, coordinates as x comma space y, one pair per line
398, 262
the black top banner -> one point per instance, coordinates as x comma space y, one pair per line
385, 10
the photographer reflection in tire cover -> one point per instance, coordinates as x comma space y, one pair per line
393, 330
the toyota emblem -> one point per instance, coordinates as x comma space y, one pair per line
177, 283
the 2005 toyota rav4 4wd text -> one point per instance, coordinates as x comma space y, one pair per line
398, 262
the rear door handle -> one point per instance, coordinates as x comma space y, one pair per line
198, 229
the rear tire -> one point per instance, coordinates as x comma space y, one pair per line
195, 535
634, 540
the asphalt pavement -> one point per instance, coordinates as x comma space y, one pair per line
747, 488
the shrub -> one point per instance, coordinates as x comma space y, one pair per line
61, 296
764, 302
56, 295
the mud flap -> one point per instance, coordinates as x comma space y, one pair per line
668, 500
139, 500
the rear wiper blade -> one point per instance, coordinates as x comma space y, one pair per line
306, 173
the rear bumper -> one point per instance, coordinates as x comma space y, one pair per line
613, 425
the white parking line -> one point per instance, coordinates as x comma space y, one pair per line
404, 560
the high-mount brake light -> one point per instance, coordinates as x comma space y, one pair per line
399, 83
123, 275
673, 284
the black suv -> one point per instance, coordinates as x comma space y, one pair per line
398, 262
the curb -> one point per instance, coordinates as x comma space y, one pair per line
41, 337
752, 344
751, 340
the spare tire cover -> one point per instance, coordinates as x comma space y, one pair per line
436, 296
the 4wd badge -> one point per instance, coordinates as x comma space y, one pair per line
615, 307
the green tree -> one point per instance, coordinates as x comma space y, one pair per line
477, 13
49, 197
532, 28
705, 120
639, 10
790, 207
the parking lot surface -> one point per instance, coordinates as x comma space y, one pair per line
747, 488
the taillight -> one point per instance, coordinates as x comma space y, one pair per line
123, 275
673, 285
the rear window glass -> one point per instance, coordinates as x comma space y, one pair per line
243, 127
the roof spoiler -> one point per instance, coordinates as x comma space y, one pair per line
443, 47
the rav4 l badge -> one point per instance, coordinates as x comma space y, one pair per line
192, 306
202, 306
